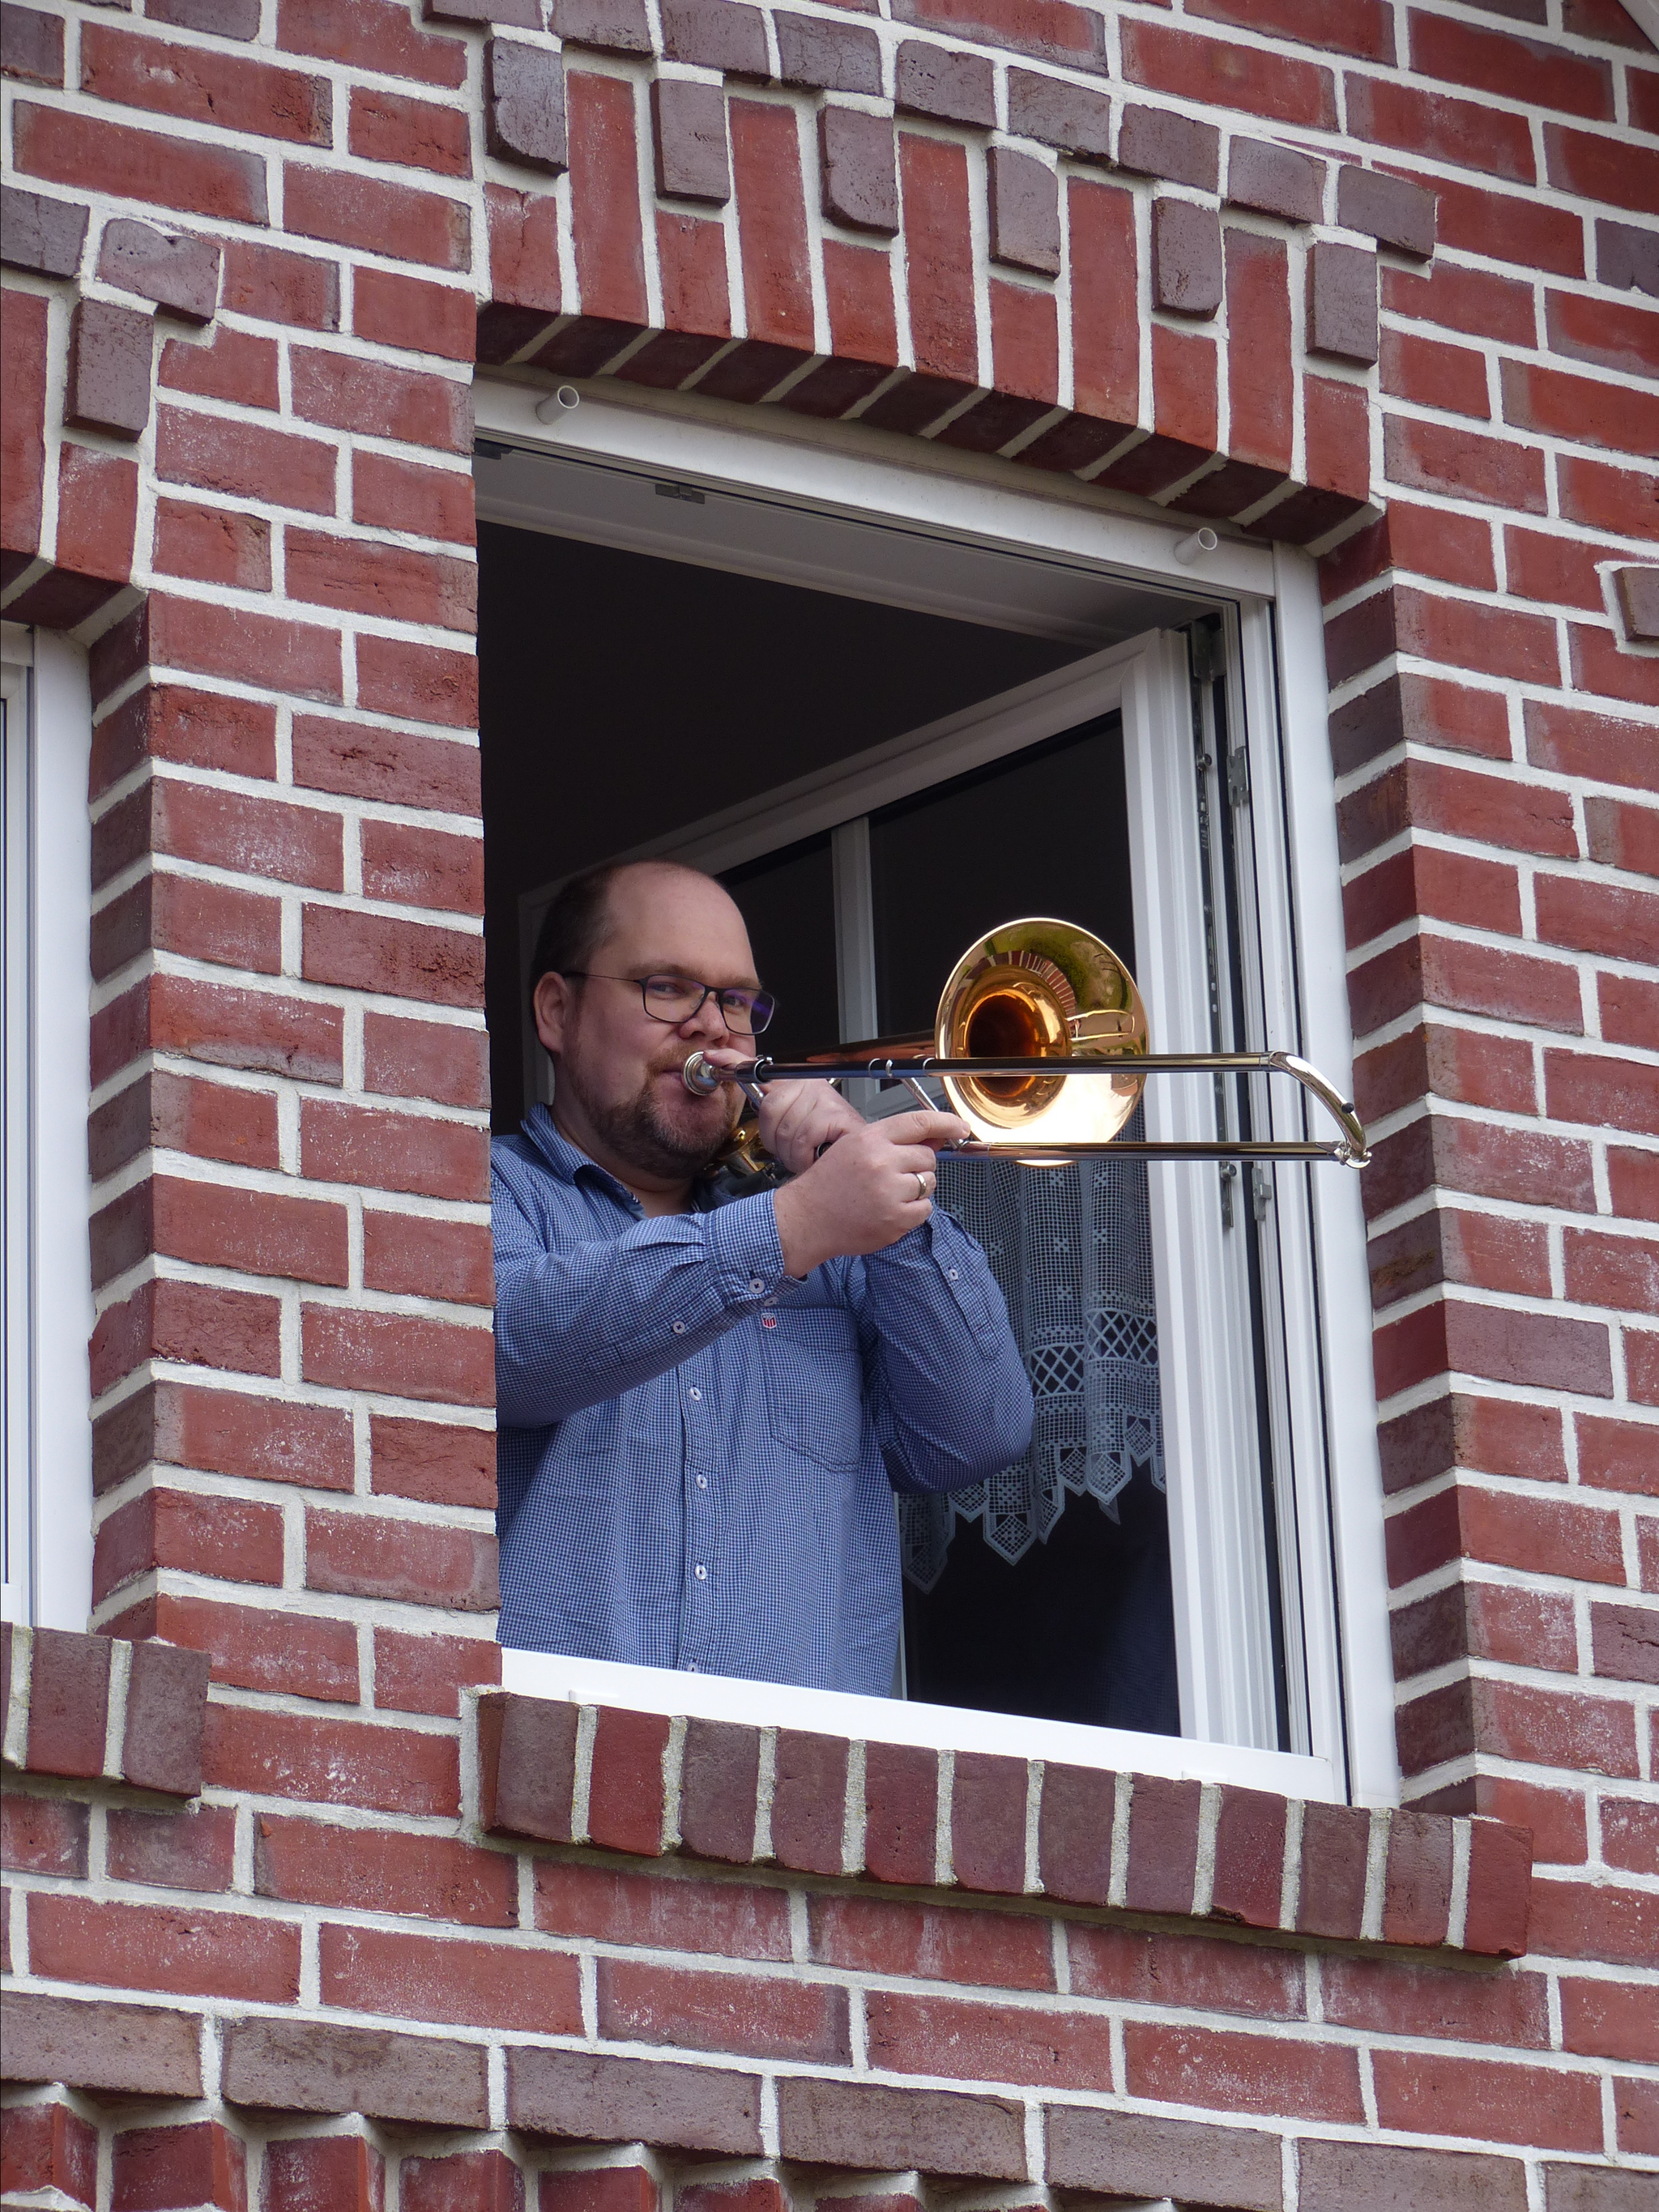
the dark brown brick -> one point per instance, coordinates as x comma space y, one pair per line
1153, 142
721, 34
1342, 301
526, 1767
860, 172
1131, 2154
137, 2049
524, 106
1275, 180
109, 369
1024, 200
179, 274
861, 2125
1074, 1834
1162, 1844
688, 140
41, 234
1186, 257
719, 1779
1072, 117
306, 2066
1391, 209
593, 2098
820, 55
953, 87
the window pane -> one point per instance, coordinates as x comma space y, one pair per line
1043, 833
788, 901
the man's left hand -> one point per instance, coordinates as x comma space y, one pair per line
796, 1119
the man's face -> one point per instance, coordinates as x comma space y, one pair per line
619, 1072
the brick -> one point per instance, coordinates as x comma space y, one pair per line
274, 285
131, 2050
310, 2066
331, 1760
1154, 143
1625, 1640
468, 2181
165, 1948
1075, 118
31, 47
41, 233
409, 1255
1024, 210
244, 459
610, 26
736, 1921
257, 1647
1338, 2177
43, 1835
426, 1877
524, 106
988, 1823
997, 1950
109, 369
1186, 257
912, 2034
1435, 457
234, 1540
951, 87
1499, 63
390, 127
1585, 409
719, 1781
427, 1673
46, 2146
394, 583
1188, 1971
731, 38
1575, 1920
1184, 408
230, 1432
772, 224
808, 1801
415, 1357
1433, 374
772, 2017
1275, 180
1461, 133
1417, 1884
346, 209
1634, 1183
1639, 600
68, 1709
1234, 2072
199, 2163
1249, 1858
1261, 81
1162, 1844
259, 1030
1391, 209
1074, 1834
1623, 339
167, 1704
1580, 1088
1618, 1455
867, 2127
97, 513
404, 766
188, 916
1520, 1627
393, 494
1342, 301
196, 1323
1135, 2154
425, 683
816, 54
93, 155
24, 341
442, 1464
526, 1767
405, 960
319, 2173
1607, 2019
566, 2093
628, 1788
223, 19
214, 545
1562, 570
394, 310
379, 401
369, 1555
1605, 498
1630, 1836
200, 84
384, 1150
901, 1812
605, 200
1335, 1843
1538, 2106
450, 1979
260, 1233
181, 275
856, 163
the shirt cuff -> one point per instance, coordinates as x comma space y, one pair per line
744, 1251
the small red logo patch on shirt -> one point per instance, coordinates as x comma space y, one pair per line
768, 1321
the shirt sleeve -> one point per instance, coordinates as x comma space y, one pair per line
949, 1391
581, 1321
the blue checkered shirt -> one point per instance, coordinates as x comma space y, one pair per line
698, 1453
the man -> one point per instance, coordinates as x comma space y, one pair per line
704, 1405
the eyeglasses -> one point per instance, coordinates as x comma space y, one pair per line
676, 998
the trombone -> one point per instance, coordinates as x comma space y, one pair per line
1030, 1010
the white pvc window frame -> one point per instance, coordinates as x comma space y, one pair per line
1322, 1415
47, 1301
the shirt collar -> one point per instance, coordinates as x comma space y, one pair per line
568, 1161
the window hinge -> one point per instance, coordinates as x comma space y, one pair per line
490, 449
1238, 776
1207, 655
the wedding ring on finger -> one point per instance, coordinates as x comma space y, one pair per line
921, 1183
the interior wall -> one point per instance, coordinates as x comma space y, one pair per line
624, 695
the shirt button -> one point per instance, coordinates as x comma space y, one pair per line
678, 1327
690, 1667
701, 1571
756, 1284
702, 1482
951, 1273
694, 1392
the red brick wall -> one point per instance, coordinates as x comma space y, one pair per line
1372, 278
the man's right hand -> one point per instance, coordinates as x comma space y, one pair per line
863, 1194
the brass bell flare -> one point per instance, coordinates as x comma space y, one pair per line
1041, 989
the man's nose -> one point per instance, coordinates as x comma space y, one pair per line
708, 1023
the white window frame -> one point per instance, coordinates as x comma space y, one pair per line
48, 1303
1331, 1528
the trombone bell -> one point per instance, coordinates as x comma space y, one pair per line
1039, 989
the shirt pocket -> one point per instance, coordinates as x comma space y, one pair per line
814, 1382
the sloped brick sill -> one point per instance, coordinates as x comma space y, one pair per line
647, 1784
90, 1708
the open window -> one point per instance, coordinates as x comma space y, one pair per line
893, 708
45, 1315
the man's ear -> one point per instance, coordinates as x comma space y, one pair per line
551, 1001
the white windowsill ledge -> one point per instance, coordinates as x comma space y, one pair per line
891, 1720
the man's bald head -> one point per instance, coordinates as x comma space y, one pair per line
585, 910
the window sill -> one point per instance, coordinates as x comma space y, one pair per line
92, 1708
648, 1781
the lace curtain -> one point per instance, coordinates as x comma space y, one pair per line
1072, 1248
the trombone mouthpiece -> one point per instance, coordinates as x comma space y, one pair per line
700, 1077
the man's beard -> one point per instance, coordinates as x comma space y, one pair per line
643, 1132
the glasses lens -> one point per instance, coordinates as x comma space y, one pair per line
671, 998
762, 1007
